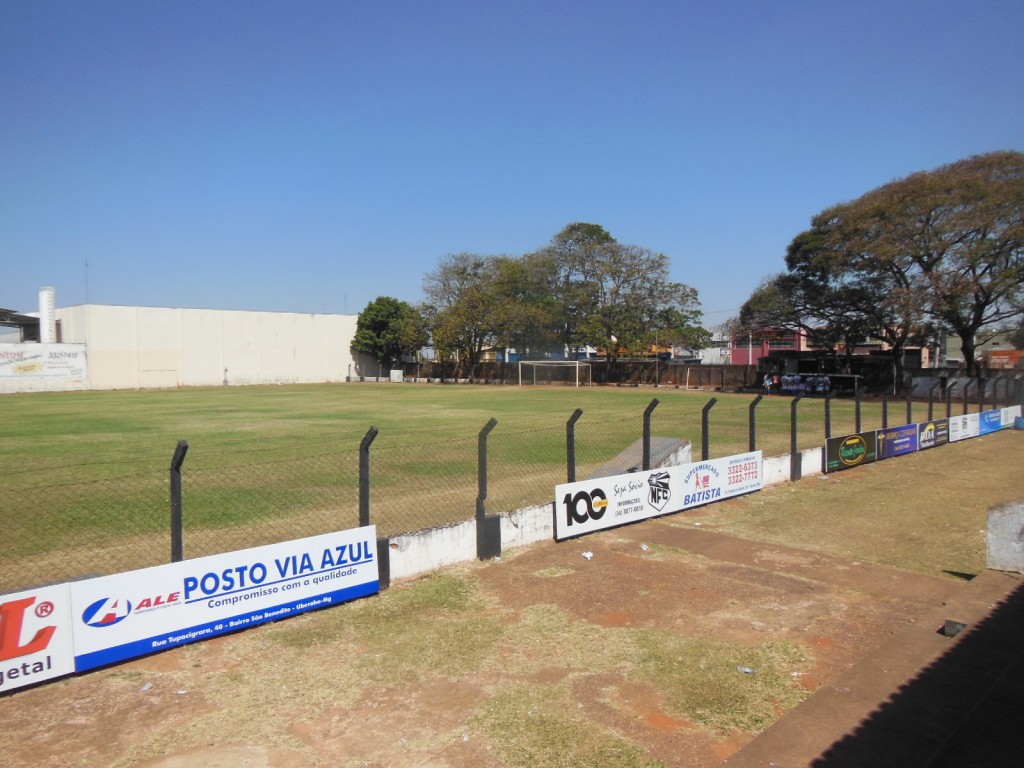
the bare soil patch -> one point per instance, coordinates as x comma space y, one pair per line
674, 643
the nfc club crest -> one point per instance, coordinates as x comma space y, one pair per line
658, 492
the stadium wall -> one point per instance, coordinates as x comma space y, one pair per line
154, 347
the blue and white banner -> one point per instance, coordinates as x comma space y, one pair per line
896, 441
131, 614
605, 502
35, 636
990, 421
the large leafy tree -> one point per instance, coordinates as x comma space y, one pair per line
840, 299
458, 309
948, 242
526, 314
387, 329
619, 297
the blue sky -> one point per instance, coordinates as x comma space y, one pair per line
310, 156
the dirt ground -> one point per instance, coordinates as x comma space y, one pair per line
561, 621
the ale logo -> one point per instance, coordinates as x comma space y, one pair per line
853, 450
107, 612
584, 506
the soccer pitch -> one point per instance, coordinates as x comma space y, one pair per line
84, 476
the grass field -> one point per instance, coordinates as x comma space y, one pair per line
526, 662
84, 475
549, 660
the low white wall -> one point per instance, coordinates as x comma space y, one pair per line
425, 551
413, 554
1006, 537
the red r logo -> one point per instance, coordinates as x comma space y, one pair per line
12, 617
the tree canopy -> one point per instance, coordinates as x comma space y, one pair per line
939, 250
583, 289
387, 329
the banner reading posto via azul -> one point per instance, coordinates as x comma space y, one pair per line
605, 502
131, 614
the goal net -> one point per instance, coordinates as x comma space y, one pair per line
542, 372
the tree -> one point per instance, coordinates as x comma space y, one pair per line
458, 308
526, 315
388, 329
1017, 338
842, 298
950, 242
618, 297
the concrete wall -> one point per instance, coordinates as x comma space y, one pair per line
154, 347
414, 554
1006, 537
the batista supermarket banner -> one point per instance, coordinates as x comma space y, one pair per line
932, 434
35, 637
132, 614
605, 502
896, 441
850, 451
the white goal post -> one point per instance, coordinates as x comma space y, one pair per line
556, 372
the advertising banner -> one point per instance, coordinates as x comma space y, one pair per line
964, 427
931, 434
990, 421
35, 637
850, 451
61, 361
131, 614
1009, 415
895, 441
605, 502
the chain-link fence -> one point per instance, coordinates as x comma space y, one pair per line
59, 527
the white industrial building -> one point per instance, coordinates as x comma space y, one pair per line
95, 346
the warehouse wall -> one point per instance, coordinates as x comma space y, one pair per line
151, 347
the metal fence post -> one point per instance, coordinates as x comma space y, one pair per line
705, 430
967, 386
570, 446
981, 394
910, 405
795, 468
931, 399
383, 542
647, 433
752, 442
857, 404
949, 399
885, 410
364, 476
828, 415
488, 528
177, 520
